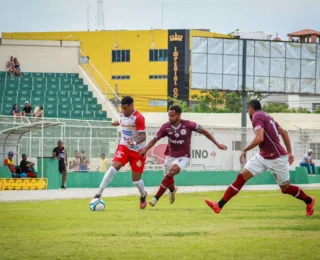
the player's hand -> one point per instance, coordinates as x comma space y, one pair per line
142, 152
130, 142
243, 157
58, 158
290, 158
222, 147
116, 123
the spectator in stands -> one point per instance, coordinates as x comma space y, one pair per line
61, 154
103, 163
38, 112
27, 110
74, 165
307, 162
84, 162
16, 111
10, 66
17, 67
27, 167
9, 161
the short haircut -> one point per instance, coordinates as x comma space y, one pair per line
127, 100
24, 155
255, 104
175, 108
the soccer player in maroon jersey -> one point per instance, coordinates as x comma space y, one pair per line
177, 152
272, 157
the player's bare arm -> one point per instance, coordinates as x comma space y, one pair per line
139, 139
143, 151
286, 139
207, 134
259, 135
115, 123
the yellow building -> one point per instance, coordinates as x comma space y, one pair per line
143, 64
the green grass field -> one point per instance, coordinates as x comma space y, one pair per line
254, 225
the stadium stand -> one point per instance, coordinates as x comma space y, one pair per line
63, 95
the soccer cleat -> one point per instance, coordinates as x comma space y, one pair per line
310, 207
172, 195
63, 187
153, 202
213, 205
97, 196
143, 201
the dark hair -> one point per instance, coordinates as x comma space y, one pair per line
255, 104
14, 106
24, 155
127, 100
175, 108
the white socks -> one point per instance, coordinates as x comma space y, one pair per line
107, 179
140, 186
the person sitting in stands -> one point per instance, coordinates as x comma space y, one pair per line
27, 110
9, 161
103, 163
27, 167
74, 165
38, 112
17, 67
307, 162
16, 111
84, 162
10, 66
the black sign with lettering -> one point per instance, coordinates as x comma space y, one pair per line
178, 65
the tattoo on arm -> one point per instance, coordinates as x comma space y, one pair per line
141, 137
200, 129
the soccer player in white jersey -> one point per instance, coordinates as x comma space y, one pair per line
133, 139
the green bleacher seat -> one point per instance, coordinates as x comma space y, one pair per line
50, 107
61, 75
1, 94
7, 111
39, 86
25, 86
51, 100
12, 86
13, 79
7, 105
86, 94
76, 114
3, 73
2, 78
64, 114
72, 75
38, 93
77, 107
49, 75
91, 100
37, 74
11, 93
25, 93
21, 100
63, 93
50, 113
52, 93
65, 81
77, 101
88, 114
25, 80
80, 87
74, 94
63, 100
65, 107
100, 114
9, 99
53, 86
52, 81
67, 87
39, 80
94, 107
38, 100
77, 81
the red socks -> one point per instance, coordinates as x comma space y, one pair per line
167, 182
232, 190
298, 193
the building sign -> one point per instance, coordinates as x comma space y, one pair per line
178, 65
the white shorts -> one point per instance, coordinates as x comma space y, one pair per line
182, 162
278, 167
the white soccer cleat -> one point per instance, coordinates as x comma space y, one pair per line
172, 195
153, 202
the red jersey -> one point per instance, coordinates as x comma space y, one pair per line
10, 164
270, 148
179, 138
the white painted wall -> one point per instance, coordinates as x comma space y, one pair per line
49, 56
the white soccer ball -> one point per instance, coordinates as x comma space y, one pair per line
97, 205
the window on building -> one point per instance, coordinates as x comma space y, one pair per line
121, 56
315, 106
316, 150
158, 55
157, 103
120, 77
158, 76
236, 145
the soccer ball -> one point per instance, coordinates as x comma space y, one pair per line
97, 205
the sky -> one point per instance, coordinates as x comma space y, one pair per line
223, 16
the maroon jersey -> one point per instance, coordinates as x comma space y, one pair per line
270, 148
179, 138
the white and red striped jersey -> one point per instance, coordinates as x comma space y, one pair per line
130, 127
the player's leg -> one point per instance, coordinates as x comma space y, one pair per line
137, 165
252, 168
120, 159
313, 168
64, 178
280, 171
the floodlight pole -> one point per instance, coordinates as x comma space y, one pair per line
244, 96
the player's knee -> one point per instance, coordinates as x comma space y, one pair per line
284, 188
116, 165
174, 170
